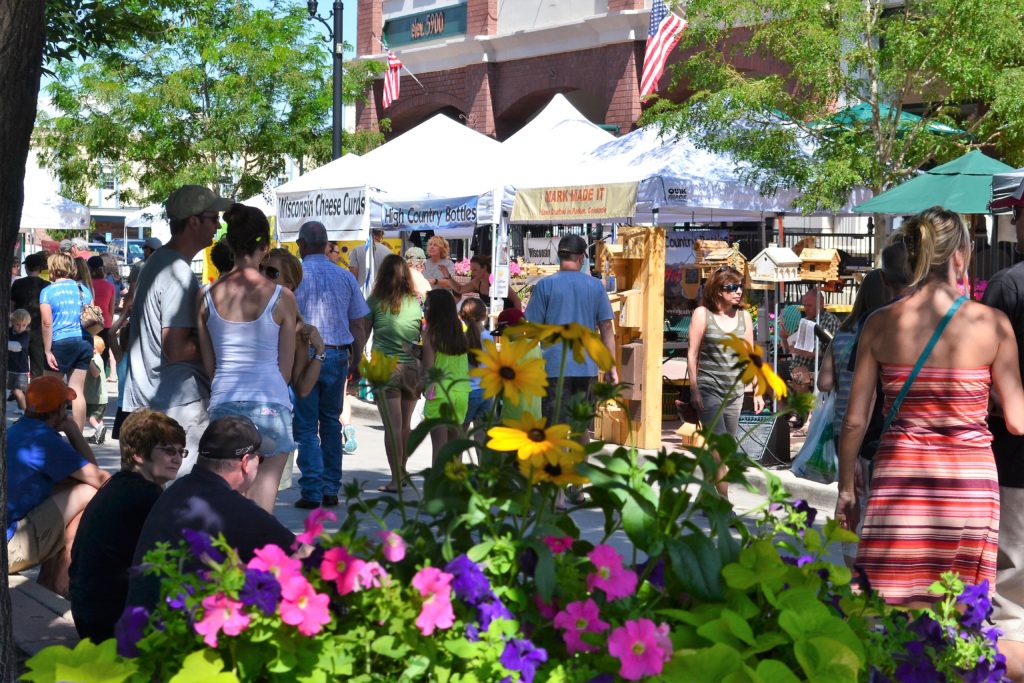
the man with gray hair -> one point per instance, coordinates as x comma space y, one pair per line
357, 258
330, 300
165, 372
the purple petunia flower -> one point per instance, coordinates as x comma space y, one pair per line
261, 590
129, 630
978, 605
602, 678
986, 671
470, 584
799, 561
524, 657
201, 545
918, 669
657, 576
490, 609
805, 507
178, 601
929, 631
472, 633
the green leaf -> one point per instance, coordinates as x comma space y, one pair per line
695, 562
818, 621
774, 671
708, 665
203, 666
388, 646
730, 629
825, 660
87, 662
463, 648
544, 574
418, 665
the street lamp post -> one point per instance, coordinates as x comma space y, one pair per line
334, 36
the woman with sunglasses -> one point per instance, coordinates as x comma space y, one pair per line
713, 367
247, 340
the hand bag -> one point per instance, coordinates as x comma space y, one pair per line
817, 459
91, 316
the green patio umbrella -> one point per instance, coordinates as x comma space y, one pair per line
963, 185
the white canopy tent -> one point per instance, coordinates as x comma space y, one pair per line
153, 217
558, 132
53, 211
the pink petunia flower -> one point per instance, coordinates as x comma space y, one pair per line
221, 613
314, 526
435, 587
638, 647
371, 575
341, 568
611, 577
558, 544
303, 607
578, 618
271, 558
547, 610
392, 546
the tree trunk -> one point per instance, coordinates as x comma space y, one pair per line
22, 30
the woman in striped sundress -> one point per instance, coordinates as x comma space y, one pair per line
934, 501
713, 367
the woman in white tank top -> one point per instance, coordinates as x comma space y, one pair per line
247, 339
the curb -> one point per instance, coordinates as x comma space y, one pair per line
43, 618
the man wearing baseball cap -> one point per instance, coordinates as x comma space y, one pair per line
165, 371
211, 499
149, 247
415, 258
50, 480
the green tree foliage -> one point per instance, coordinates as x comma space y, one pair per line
220, 96
960, 58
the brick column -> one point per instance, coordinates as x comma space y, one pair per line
624, 108
482, 17
619, 5
481, 105
370, 23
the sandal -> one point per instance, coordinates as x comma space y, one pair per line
387, 488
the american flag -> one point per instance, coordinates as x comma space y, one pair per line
392, 78
663, 35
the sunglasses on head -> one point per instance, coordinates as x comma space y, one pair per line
270, 272
733, 287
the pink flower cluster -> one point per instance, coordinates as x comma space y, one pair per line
309, 611
576, 619
641, 648
611, 577
435, 587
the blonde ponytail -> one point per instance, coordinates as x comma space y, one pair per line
932, 238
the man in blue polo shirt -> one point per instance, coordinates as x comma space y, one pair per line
50, 480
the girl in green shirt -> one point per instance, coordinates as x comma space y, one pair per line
445, 348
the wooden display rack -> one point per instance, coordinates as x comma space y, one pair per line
638, 263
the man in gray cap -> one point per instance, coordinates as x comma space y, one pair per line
165, 371
572, 296
415, 258
211, 499
330, 300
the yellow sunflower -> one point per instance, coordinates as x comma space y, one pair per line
754, 366
559, 468
377, 368
578, 338
530, 436
505, 371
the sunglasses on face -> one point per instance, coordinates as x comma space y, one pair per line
730, 288
270, 272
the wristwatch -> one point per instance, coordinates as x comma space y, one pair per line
322, 356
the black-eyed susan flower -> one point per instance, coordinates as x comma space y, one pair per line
507, 371
530, 437
377, 369
754, 366
579, 339
558, 468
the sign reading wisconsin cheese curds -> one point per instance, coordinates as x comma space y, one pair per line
605, 201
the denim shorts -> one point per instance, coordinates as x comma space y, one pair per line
273, 420
72, 353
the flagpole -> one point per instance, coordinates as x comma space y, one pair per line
385, 46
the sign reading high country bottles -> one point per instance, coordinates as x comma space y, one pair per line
437, 214
437, 23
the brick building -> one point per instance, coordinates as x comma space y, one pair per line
495, 63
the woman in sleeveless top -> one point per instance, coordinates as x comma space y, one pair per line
445, 348
480, 284
934, 500
247, 340
712, 366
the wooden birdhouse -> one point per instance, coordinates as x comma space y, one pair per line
819, 265
701, 248
775, 264
709, 260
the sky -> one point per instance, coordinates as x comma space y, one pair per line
324, 9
